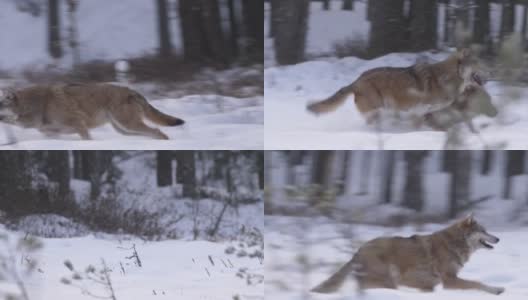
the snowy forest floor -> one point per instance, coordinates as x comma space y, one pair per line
288, 125
173, 269
302, 252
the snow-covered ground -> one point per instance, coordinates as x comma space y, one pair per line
170, 269
212, 123
302, 252
288, 125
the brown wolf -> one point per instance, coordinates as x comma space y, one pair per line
76, 108
419, 261
418, 89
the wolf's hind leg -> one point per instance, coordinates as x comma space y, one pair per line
464, 284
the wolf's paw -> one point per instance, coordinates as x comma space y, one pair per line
497, 290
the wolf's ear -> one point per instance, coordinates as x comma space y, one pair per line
464, 53
469, 220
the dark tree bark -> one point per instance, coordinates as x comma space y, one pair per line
326, 4
254, 24
387, 32
508, 17
260, 168
423, 25
58, 169
481, 28
459, 166
273, 17
365, 172
165, 44
233, 26
191, 27
188, 174
77, 164
164, 168
487, 158
216, 44
514, 166
388, 176
321, 174
348, 5
343, 180
413, 193
54, 37
290, 30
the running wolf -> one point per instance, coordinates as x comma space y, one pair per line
77, 108
418, 90
419, 261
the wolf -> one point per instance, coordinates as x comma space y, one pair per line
418, 90
419, 261
77, 108
474, 101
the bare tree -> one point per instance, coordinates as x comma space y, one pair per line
54, 37
423, 25
164, 168
508, 17
388, 176
413, 193
165, 44
348, 5
387, 32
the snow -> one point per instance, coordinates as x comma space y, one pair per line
288, 125
175, 269
302, 252
212, 123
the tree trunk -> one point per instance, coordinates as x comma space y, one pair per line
165, 44
387, 32
189, 174
481, 28
290, 30
423, 25
58, 171
54, 38
508, 17
487, 158
254, 25
413, 193
388, 176
73, 36
216, 44
233, 26
348, 5
321, 175
326, 4
164, 168
460, 169
514, 166
343, 182
365, 174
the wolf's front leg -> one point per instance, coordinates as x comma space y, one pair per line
464, 284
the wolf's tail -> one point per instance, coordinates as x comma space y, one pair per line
157, 116
333, 102
335, 281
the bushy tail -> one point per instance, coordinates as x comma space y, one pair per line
157, 116
335, 281
332, 103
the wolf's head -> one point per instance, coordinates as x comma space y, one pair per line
475, 234
8, 101
468, 67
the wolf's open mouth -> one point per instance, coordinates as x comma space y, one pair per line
476, 78
483, 242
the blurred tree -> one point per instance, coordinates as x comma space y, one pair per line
388, 176
164, 168
202, 33
487, 157
507, 17
458, 164
290, 29
344, 176
254, 25
165, 44
423, 25
73, 36
387, 30
233, 26
326, 4
188, 171
322, 174
413, 192
366, 160
515, 160
481, 25
348, 5
58, 171
54, 29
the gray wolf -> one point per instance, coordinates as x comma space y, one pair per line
77, 108
419, 261
417, 90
